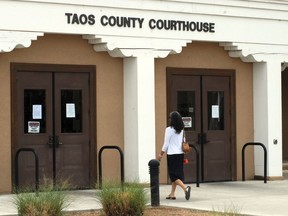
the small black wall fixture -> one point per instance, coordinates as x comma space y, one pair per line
197, 165
36, 167
121, 160
265, 159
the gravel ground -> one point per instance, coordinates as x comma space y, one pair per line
155, 211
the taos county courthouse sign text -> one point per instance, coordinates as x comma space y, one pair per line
135, 22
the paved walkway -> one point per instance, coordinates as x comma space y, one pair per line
250, 197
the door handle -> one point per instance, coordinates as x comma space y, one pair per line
199, 138
51, 141
57, 141
202, 138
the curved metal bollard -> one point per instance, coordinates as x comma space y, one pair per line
265, 159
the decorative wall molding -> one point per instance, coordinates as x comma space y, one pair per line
118, 46
9, 40
250, 52
151, 21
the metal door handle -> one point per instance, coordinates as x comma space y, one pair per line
199, 138
50, 141
57, 140
202, 138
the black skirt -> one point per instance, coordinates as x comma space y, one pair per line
175, 167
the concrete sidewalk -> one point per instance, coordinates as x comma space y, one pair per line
250, 197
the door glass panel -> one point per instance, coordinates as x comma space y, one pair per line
215, 110
186, 107
34, 111
71, 111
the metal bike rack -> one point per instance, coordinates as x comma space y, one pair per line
265, 159
197, 165
100, 163
36, 167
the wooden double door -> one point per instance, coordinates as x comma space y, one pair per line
203, 98
51, 115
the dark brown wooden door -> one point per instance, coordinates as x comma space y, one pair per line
52, 117
204, 103
216, 147
285, 115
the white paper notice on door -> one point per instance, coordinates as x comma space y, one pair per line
37, 111
215, 111
70, 110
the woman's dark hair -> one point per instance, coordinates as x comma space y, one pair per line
176, 121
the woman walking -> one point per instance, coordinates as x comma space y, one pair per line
175, 156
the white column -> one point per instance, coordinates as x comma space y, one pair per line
268, 116
139, 116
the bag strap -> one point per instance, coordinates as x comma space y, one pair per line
183, 136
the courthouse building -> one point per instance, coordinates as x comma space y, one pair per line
79, 75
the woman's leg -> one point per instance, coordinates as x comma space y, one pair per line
180, 183
187, 189
174, 185
173, 189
